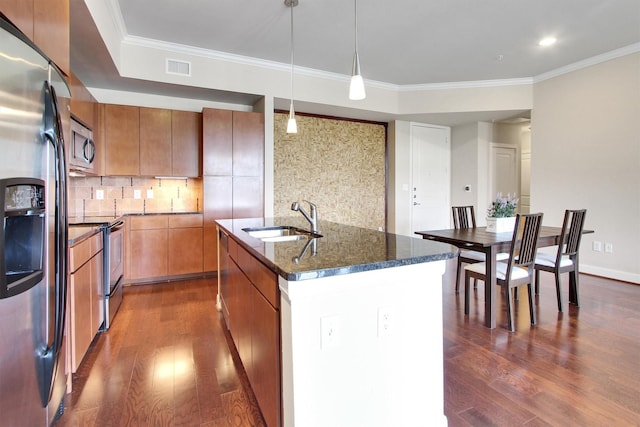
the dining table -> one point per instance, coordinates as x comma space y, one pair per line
491, 244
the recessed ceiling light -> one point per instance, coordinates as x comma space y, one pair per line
547, 41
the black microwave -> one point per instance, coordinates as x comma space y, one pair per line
82, 149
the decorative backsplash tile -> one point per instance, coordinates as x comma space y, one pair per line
169, 195
338, 165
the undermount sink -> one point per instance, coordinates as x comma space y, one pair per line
280, 233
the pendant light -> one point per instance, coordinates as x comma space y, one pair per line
356, 89
292, 126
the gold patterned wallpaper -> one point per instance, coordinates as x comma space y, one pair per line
339, 165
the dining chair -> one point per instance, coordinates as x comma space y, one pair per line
517, 270
565, 260
465, 217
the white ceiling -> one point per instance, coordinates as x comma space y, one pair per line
401, 42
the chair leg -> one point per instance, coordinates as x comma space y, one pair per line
512, 327
458, 276
532, 312
573, 288
537, 274
558, 291
467, 294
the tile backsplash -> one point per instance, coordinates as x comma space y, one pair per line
120, 195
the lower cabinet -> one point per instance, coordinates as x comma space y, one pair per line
163, 246
253, 320
86, 296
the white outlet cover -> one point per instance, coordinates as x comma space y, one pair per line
329, 332
137, 194
150, 193
99, 194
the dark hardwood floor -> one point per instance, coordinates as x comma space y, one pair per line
166, 362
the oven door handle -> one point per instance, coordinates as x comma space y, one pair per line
116, 225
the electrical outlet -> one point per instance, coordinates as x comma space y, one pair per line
329, 331
597, 246
385, 321
608, 248
137, 194
150, 193
99, 194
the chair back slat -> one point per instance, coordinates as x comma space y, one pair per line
524, 242
571, 232
463, 217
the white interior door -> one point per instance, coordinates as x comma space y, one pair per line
430, 174
504, 169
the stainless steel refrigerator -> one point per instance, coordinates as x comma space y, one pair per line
34, 233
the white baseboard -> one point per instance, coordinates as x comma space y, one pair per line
624, 276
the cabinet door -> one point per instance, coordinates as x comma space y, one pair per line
217, 131
80, 314
265, 347
51, 30
149, 253
210, 249
186, 131
155, 142
122, 140
248, 143
185, 251
20, 13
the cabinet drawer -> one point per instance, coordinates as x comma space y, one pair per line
80, 253
262, 277
185, 220
149, 222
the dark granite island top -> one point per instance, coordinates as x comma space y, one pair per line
343, 249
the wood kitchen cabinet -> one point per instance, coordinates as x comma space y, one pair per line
86, 295
155, 142
164, 247
185, 244
233, 168
83, 104
148, 242
141, 141
121, 140
46, 23
186, 136
250, 300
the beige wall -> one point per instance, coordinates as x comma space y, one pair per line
169, 195
338, 165
585, 153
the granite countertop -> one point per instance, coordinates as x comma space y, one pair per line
343, 249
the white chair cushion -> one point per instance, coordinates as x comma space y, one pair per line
479, 256
501, 270
549, 260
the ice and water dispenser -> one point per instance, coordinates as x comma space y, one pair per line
23, 236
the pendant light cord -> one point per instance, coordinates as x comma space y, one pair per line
355, 9
292, 5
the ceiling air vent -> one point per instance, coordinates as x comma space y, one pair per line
181, 68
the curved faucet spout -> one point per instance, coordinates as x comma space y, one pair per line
313, 218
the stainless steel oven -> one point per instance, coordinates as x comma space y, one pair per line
113, 269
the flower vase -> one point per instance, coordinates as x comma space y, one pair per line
501, 225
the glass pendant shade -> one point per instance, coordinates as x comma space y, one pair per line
356, 89
292, 126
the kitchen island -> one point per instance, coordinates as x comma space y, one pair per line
357, 314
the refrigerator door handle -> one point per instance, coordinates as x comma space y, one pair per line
49, 355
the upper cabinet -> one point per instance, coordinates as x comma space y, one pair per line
122, 140
155, 142
141, 141
186, 135
83, 104
46, 23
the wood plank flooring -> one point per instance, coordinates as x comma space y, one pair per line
166, 362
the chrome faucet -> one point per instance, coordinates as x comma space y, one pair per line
313, 219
